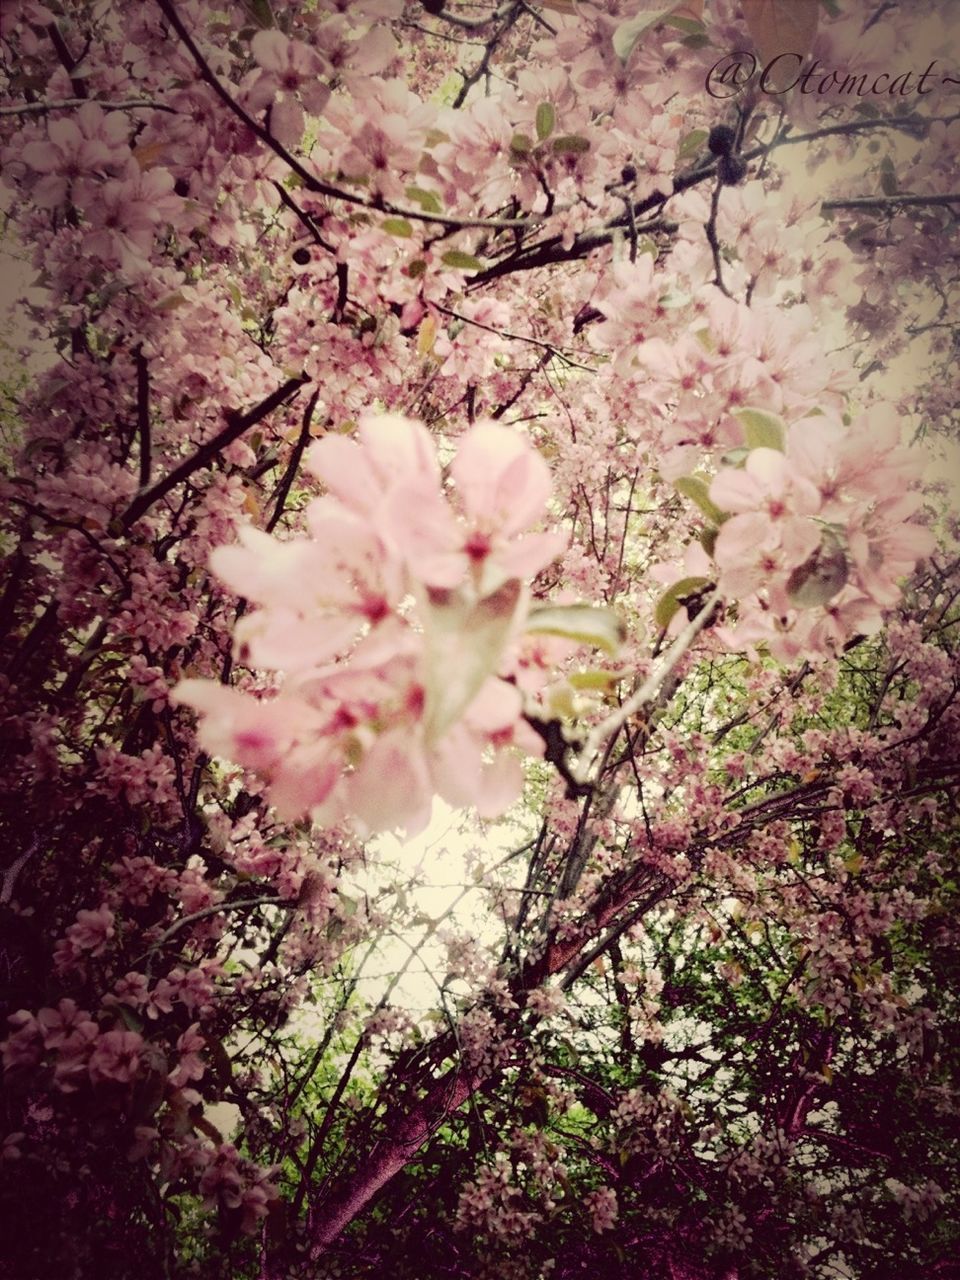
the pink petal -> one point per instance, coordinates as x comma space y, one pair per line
526, 556
287, 122
798, 540
42, 157
281, 640
495, 708
770, 469
419, 523
398, 448
342, 466
304, 780
65, 134
270, 49
501, 478
734, 490
391, 788
741, 537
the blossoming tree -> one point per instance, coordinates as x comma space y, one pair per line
536, 414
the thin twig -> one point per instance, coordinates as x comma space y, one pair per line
283, 489
68, 104
889, 202
710, 227
215, 909
516, 337
10, 873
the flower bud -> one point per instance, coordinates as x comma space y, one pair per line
731, 170
721, 140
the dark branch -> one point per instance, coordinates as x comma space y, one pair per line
237, 424
143, 414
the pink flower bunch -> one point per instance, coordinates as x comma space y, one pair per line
817, 535
78, 1049
602, 1207
232, 1182
405, 575
78, 151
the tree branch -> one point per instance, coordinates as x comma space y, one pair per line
237, 424
647, 691
143, 413
283, 489
67, 104
889, 202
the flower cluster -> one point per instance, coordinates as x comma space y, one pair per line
815, 531
390, 623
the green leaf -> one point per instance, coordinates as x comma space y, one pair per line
521, 144
546, 119
428, 201
629, 34
397, 227
463, 642
669, 602
597, 678
261, 13
571, 143
888, 177
762, 430
129, 1018
690, 26
462, 261
697, 489
782, 26
347, 907
416, 268
602, 628
692, 144
819, 578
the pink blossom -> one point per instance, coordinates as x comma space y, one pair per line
190, 1065
770, 532
393, 570
23, 1047
92, 931
58, 1025
73, 1055
126, 212
115, 1056
602, 1207
503, 486
288, 67
80, 148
